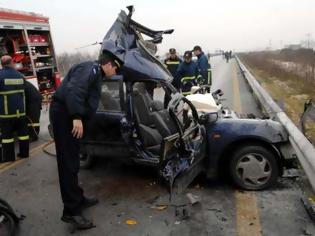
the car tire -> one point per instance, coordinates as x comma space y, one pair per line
254, 168
86, 161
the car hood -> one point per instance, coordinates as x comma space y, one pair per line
124, 40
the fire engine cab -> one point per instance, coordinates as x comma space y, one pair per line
27, 39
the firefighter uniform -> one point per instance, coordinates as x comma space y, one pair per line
204, 69
13, 114
76, 98
172, 65
33, 109
188, 75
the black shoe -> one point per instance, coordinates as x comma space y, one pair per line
21, 157
89, 202
78, 221
7, 160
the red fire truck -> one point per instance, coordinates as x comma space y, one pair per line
27, 39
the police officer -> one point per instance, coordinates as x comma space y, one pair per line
33, 109
74, 102
12, 111
187, 73
203, 66
172, 63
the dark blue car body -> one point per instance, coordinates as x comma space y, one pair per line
175, 146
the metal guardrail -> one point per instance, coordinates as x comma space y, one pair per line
303, 148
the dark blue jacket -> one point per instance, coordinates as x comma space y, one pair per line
172, 66
203, 66
33, 100
80, 90
187, 76
12, 93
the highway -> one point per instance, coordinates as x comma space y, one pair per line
131, 192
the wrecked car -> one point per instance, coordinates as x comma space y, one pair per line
184, 137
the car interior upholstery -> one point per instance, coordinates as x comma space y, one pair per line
154, 121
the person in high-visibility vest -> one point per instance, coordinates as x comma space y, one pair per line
203, 66
33, 109
172, 63
12, 111
187, 73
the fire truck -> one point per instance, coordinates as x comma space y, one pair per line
26, 37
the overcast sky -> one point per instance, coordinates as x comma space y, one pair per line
221, 24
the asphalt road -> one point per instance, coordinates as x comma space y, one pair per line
132, 192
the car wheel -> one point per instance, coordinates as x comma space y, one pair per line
86, 161
254, 168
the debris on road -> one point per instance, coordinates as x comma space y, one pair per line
131, 222
309, 230
309, 204
153, 200
166, 222
292, 173
159, 207
215, 210
182, 213
193, 198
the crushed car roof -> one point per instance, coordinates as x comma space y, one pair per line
124, 40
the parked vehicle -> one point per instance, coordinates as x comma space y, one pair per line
26, 37
185, 137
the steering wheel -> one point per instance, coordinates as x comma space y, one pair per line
182, 126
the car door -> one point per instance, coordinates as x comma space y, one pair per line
103, 132
184, 152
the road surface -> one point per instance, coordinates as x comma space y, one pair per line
132, 192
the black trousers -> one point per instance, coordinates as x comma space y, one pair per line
8, 128
67, 149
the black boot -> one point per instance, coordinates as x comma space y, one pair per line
78, 221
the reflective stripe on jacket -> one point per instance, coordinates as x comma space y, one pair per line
204, 68
172, 66
12, 93
187, 76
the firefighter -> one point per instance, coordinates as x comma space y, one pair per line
187, 73
33, 109
172, 63
203, 66
12, 111
74, 102
227, 56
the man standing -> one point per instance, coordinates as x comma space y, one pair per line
172, 63
12, 111
187, 73
203, 65
74, 102
33, 108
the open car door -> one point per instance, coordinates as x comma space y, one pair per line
183, 153
102, 138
